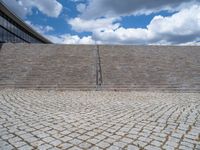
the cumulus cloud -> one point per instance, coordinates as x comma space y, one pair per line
51, 8
81, 25
182, 27
81, 7
102, 18
77, 1
40, 29
60, 39
71, 39
113, 8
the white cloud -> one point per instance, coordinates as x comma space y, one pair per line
182, 27
99, 17
122, 36
77, 1
71, 39
81, 25
81, 7
17, 8
51, 8
113, 8
40, 29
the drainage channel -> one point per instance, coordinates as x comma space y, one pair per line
99, 79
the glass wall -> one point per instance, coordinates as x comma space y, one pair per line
13, 33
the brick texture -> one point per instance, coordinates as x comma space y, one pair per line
166, 68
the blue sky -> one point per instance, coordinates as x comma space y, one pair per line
152, 22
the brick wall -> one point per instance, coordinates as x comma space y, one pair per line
166, 68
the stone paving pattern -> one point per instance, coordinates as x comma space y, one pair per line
99, 120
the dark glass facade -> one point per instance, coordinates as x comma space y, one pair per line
13, 32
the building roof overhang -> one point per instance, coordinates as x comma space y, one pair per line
21, 23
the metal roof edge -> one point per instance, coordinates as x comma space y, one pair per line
18, 20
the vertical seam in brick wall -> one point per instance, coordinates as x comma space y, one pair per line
1, 46
100, 69
99, 79
96, 67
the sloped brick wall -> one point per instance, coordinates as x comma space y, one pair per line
151, 67
165, 68
50, 66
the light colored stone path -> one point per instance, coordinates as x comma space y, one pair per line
99, 120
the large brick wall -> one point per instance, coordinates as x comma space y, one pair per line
50, 66
150, 67
119, 67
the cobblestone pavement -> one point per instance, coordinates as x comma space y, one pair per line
99, 120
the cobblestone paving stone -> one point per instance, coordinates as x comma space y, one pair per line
99, 120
